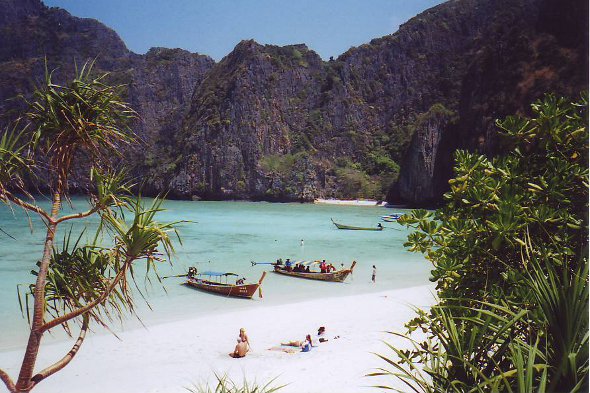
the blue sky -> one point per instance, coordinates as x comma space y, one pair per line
214, 27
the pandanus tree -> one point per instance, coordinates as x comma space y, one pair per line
78, 284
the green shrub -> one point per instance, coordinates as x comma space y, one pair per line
538, 190
510, 259
355, 183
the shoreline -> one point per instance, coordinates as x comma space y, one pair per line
350, 202
170, 356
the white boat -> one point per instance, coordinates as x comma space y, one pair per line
392, 217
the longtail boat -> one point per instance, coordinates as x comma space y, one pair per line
379, 227
335, 276
243, 290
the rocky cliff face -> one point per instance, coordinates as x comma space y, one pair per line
521, 52
253, 104
278, 123
159, 84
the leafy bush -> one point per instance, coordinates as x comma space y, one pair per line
510, 257
355, 183
539, 189
281, 165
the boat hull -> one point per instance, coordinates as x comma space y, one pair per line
243, 291
337, 276
351, 228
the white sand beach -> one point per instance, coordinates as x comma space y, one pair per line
351, 202
170, 357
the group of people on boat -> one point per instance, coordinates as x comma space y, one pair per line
301, 268
326, 268
290, 267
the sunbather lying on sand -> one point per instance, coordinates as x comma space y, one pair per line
305, 344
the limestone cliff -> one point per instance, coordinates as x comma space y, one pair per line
279, 123
159, 84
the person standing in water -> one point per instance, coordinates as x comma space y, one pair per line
302, 250
374, 274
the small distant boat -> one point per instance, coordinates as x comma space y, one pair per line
379, 227
392, 217
335, 276
243, 290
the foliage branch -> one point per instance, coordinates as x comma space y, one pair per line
65, 126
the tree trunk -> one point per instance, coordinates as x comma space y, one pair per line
24, 382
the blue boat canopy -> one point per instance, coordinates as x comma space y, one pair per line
217, 274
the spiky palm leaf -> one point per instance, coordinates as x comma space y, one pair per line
86, 116
226, 385
561, 297
13, 159
112, 188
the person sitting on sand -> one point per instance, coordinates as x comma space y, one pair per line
244, 338
243, 345
241, 349
322, 334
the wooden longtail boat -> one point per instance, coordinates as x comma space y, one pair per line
236, 290
342, 226
336, 276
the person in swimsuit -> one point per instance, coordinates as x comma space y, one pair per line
307, 345
243, 345
240, 351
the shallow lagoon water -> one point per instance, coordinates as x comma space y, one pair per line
226, 236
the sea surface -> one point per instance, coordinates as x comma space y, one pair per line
225, 236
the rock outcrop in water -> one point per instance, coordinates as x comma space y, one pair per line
279, 123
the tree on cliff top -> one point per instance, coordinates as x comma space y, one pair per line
77, 284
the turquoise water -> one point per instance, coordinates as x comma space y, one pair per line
226, 236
